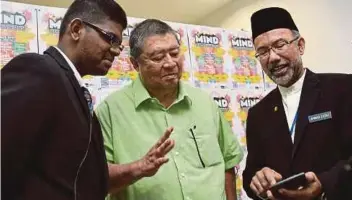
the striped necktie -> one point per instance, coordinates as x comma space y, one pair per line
88, 98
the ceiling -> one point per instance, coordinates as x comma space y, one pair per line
184, 11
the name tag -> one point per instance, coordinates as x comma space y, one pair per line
319, 117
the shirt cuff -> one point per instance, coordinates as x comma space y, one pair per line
235, 160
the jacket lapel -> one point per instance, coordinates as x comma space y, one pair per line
309, 95
56, 55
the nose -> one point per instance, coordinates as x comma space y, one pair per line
273, 56
169, 62
115, 51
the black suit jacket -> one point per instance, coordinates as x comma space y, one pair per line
322, 147
49, 139
344, 184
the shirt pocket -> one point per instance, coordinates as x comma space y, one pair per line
205, 145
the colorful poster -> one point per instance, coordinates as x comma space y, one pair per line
243, 100
241, 194
219, 61
18, 30
223, 99
49, 22
122, 71
235, 104
99, 95
245, 68
207, 57
181, 30
269, 85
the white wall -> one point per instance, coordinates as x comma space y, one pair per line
325, 24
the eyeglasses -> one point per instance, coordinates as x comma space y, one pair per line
195, 142
108, 36
278, 47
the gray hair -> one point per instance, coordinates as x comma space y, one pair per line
295, 33
147, 28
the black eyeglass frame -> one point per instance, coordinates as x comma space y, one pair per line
276, 47
114, 41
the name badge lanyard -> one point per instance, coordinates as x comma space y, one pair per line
293, 123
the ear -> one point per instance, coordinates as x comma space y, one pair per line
134, 63
301, 45
76, 29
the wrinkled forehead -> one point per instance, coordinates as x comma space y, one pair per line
160, 42
271, 36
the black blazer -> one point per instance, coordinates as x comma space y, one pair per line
322, 147
344, 184
46, 133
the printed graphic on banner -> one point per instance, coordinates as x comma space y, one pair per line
241, 194
49, 22
244, 99
222, 98
269, 85
207, 56
18, 30
122, 72
245, 71
181, 30
221, 62
235, 104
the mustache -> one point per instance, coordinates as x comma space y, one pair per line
274, 66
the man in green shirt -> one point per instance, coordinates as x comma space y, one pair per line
202, 150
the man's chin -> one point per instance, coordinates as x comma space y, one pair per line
171, 85
282, 81
104, 69
100, 72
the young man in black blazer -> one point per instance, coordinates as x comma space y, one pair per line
52, 147
304, 125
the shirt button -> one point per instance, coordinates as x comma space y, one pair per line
176, 153
183, 175
188, 198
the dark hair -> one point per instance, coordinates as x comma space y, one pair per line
94, 11
147, 28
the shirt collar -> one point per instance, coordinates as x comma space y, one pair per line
73, 68
296, 87
141, 94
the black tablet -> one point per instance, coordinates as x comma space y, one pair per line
292, 182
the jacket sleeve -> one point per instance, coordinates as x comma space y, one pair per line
26, 104
255, 159
331, 178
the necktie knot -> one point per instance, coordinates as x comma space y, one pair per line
88, 98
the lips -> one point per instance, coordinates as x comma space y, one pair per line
107, 64
109, 59
173, 75
279, 69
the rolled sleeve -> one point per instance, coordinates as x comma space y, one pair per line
230, 147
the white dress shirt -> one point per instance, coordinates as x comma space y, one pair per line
72, 66
290, 100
